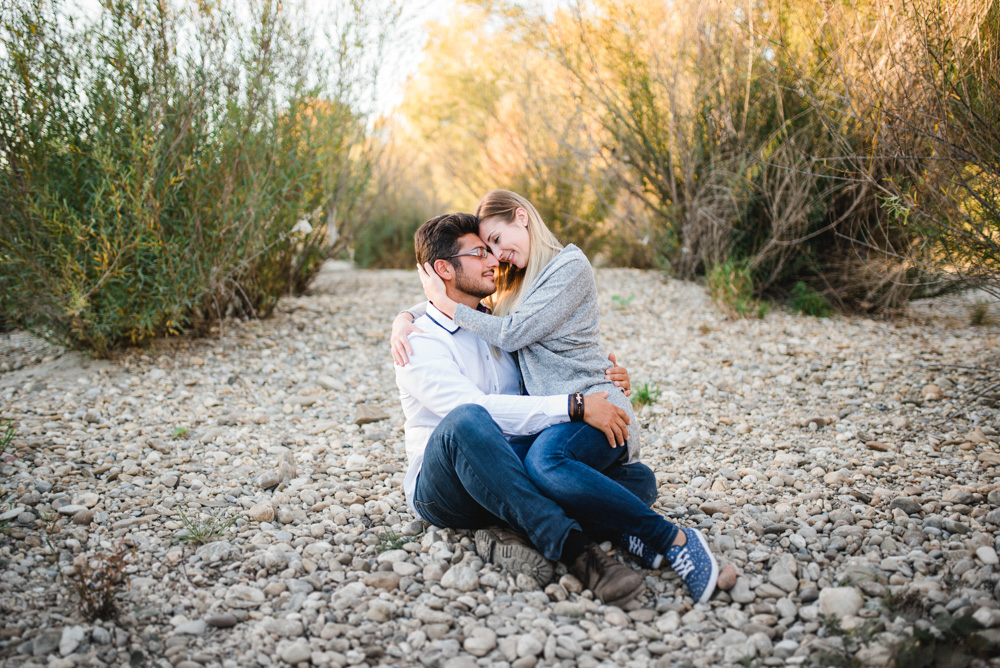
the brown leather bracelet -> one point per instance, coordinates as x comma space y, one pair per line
576, 408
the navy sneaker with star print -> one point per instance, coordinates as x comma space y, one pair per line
694, 562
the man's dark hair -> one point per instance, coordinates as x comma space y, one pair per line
437, 239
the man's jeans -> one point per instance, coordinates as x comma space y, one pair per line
569, 464
473, 477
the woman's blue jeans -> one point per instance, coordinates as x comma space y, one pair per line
573, 465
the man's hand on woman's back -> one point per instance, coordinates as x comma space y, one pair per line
601, 414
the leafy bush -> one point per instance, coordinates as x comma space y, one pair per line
156, 160
807, 301
854, 146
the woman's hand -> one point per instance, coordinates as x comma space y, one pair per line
599, 413
435, 290
399, 342
619, 376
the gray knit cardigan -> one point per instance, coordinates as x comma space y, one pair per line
556, 335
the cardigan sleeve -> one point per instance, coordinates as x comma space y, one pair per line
551, 301
416, 310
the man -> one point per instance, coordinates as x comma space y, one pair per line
461, 402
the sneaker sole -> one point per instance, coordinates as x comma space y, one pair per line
514, 558
714, 578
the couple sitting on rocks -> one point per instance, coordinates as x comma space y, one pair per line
558, 468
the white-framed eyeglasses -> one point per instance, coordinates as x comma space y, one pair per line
478, 251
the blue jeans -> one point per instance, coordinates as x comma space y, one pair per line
570, 463
471, 477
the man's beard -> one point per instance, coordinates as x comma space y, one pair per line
469, 286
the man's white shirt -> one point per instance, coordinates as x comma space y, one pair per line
451, 366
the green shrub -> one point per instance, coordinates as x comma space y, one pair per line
156, 160
807, 301
731, 286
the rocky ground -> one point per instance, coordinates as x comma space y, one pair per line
847, 467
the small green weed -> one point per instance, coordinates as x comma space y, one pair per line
390, 540
853, 641
205, 530
955, 643
730, 285
645, 395
98, 581
181, 430
979, 314
6, 503
6, 434
750, 661
621, 302
807, 301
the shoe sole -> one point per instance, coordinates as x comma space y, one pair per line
514, 558
714, 578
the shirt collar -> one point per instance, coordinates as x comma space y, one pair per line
446, 323
441, 320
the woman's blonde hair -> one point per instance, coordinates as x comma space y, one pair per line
543, 246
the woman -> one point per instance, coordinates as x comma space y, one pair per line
545, 310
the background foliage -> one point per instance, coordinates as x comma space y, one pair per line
164, 164
156, 160
846, 147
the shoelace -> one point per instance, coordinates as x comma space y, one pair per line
635, 545
684, 564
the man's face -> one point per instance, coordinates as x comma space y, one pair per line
474, 275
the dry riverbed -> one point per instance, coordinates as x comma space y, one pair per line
844, 466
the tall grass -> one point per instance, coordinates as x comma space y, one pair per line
164, 164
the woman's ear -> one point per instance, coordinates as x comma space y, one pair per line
521, 216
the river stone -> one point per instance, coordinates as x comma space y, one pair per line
243, 596
296, 652
907, 504
218, 551
221, 620
987, 555
480, 642
192, 628
784, 574
367, 414
461, 578
840, 601
741, 591
262, 512
71, 638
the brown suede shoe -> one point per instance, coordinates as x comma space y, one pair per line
512, 551
610, 581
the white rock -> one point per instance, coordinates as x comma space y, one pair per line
194, 628
480, 642
461, 578
840, 601
987, 555
296, 652
72, 637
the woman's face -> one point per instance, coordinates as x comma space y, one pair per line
509, 242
